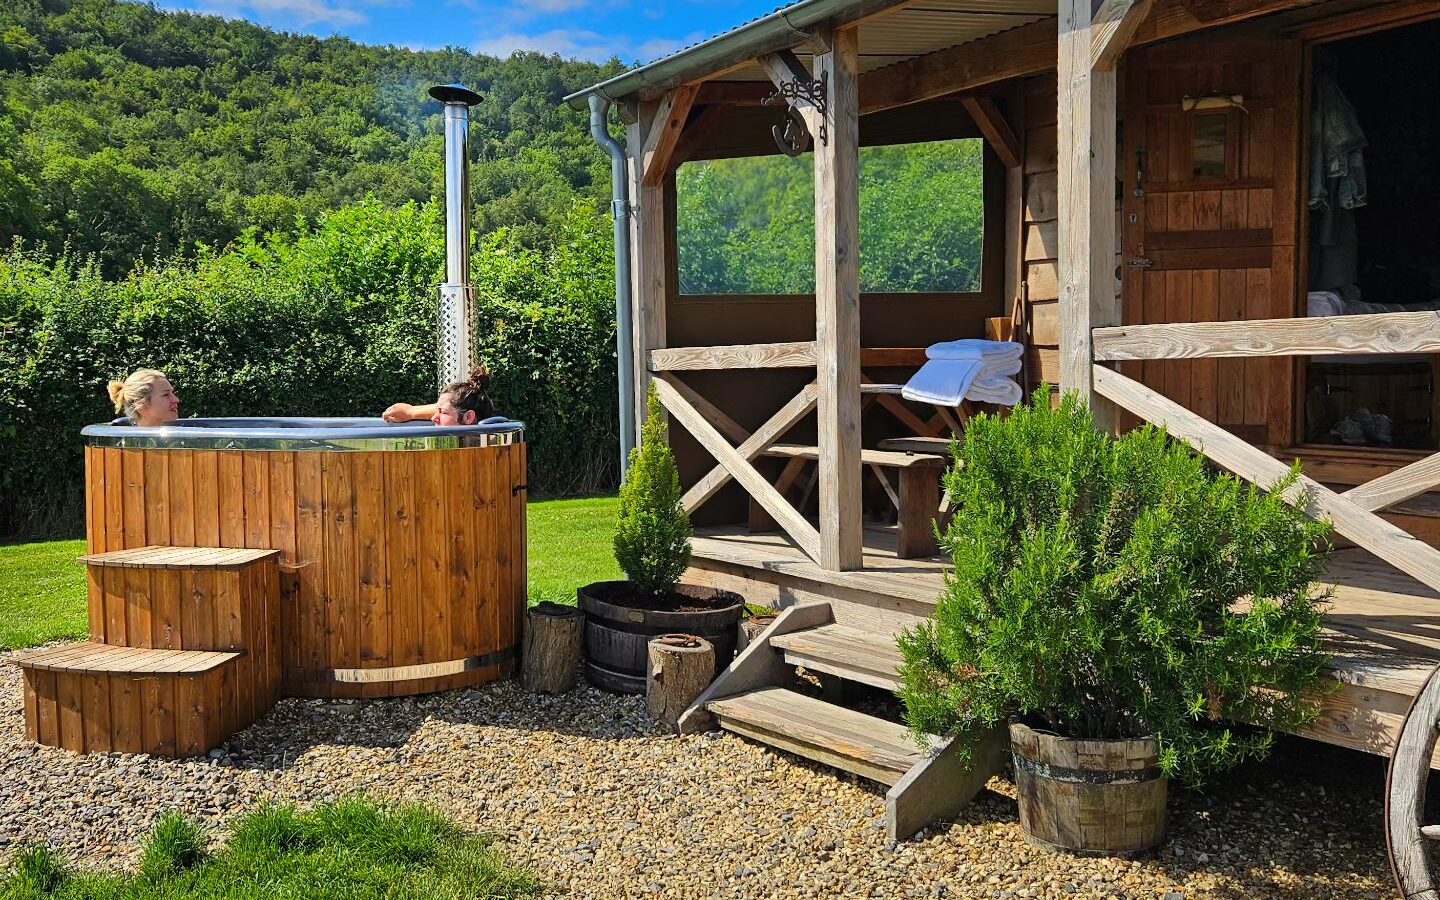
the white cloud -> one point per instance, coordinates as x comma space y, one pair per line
556, 6
283, 13
580, 44
310, 12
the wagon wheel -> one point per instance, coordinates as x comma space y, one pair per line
1406, 835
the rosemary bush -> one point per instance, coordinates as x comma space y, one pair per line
1110, 587
652, 534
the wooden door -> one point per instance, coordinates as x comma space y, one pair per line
1208, 215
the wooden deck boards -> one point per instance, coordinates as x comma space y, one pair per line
1384, 627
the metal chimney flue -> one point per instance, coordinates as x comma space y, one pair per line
457, 298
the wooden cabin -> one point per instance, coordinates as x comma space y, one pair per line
1152, 234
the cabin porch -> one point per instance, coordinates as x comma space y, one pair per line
1383, 625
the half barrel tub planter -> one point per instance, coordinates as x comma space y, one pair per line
619, 627
1092, 798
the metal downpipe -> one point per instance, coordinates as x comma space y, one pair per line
624, 335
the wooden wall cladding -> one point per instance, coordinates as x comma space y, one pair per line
404, 572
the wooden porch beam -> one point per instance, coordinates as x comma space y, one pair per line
785, 66
664, 133
1086, 134
837, 301
727, 426
1027, 50
734, 93
997, 131
783, 355
801, 532
647, 254
1397, 486
1399, 332
1404, 551
707, 121
1114, 25
751, 446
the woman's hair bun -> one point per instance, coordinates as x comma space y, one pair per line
479, 378
116, 390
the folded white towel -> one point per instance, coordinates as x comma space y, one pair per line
975, 348
1003, 391
942, 381
945, 382
999, 369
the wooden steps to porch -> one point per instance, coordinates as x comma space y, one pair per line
866, 745
844, 651
928, 780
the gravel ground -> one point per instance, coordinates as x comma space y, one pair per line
585, 793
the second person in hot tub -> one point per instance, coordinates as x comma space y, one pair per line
461, 403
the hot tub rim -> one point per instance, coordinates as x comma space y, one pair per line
354, 435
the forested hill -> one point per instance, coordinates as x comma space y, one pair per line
130, 133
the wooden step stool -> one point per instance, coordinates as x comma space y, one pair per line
95, 698
184, 650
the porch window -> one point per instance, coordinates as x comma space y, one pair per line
747, 225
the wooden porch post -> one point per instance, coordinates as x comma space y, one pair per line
1086, 134
647, 250
837, 303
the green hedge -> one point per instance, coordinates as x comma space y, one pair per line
337, 321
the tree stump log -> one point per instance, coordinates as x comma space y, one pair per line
554, 638
750, 629
680, 667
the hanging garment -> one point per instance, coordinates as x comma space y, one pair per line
1337, 185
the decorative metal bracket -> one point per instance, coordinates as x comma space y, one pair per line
793, 137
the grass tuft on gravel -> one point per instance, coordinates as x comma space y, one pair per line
42, 587
354, 849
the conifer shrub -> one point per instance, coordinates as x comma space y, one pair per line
1109, 588
652, 534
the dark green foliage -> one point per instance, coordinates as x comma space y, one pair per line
338, 321
748, 225
652, 532
1115, 587
354, 849
130, 133
175, 845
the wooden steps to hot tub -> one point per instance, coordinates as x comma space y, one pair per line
928, 780
184, 651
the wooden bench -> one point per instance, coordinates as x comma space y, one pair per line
184, 650
916, 501
96, 698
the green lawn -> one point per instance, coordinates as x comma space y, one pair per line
355, 849
42, 587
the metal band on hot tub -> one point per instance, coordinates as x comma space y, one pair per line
290, 435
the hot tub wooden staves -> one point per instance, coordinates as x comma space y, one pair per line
403, 572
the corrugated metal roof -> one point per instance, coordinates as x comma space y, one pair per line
916, 28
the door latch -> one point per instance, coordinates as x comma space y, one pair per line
1141, 262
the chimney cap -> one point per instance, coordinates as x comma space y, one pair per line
455, 93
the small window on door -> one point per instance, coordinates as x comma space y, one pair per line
1214, 146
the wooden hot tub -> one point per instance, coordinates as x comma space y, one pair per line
402, 547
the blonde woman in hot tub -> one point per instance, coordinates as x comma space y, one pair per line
145, 398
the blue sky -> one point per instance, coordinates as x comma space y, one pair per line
587, 29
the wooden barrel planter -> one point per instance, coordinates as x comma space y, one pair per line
617, 635
1097, 798
402, 558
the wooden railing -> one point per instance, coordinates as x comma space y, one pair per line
1353, 513
735, 448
